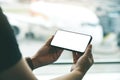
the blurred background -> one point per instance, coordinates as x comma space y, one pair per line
35, 21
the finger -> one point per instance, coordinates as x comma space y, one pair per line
76, 56
49, 41
57, 50
57, 54
60, 51
88, 50
79, 54
89, 54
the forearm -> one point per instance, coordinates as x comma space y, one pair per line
74, 75
19, 71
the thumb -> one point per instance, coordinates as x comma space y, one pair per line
49, 41
88, 50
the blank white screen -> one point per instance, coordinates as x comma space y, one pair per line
72, 41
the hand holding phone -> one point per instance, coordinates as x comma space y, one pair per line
71, 40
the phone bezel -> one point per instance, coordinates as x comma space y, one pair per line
75, 33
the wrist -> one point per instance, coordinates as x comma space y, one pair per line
79, 72
35, 62
29, 62
78, 75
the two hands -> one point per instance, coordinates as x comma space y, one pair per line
49, 54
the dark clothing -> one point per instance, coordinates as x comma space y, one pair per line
9, 51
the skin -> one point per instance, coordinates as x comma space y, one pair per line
81, 65
19, 71
48, 54
83, 61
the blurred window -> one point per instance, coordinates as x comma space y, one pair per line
35, 21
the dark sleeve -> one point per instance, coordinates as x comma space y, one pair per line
9, 51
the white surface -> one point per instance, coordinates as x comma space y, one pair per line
71, 40
95, 76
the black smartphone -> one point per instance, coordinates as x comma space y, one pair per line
71, 40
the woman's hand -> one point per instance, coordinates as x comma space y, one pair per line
46, 55
82, 62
